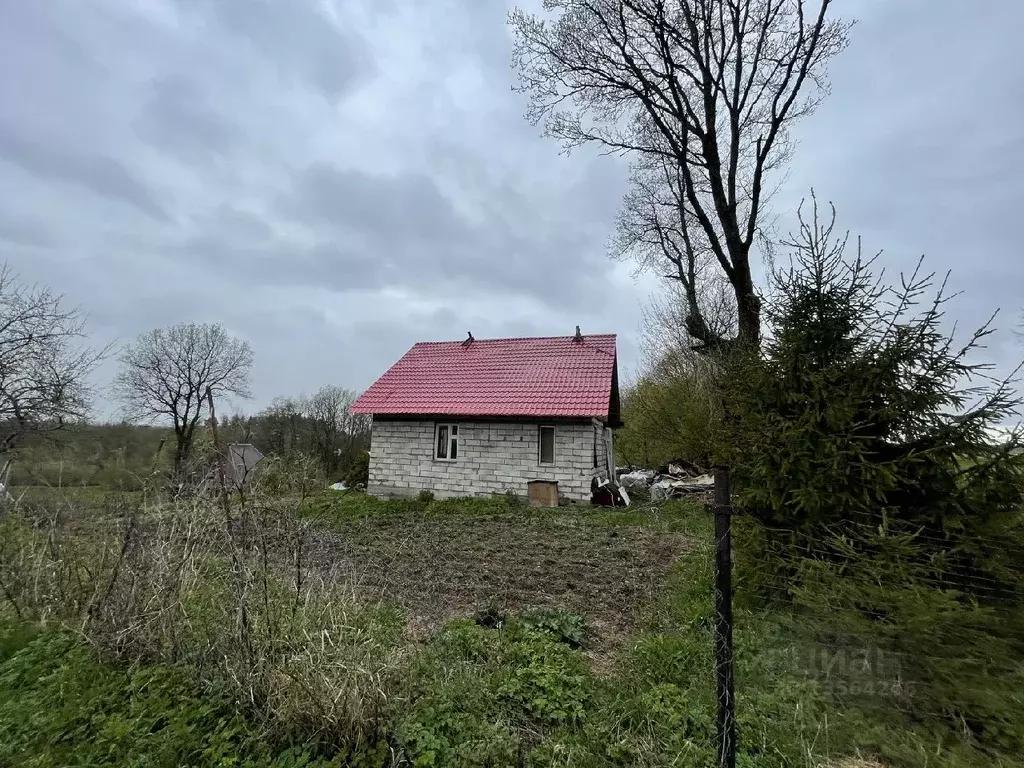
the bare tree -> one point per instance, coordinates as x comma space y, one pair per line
654, 228
44, 366
670, 310
703, 94
169, 372
334, 428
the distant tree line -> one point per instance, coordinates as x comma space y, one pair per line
178, 376
321, 426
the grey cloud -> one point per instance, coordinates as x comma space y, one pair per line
100, 175
23, 231
407, 229
293, 34
233, 223
396, 210
178, 118
277, 261
29, 26
329, 256
320, 354
243, 247
333, 223
930, 161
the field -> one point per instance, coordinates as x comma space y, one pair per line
347, 630
445, 562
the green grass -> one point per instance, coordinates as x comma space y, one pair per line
336, 509
61, 705
67, 494
505, 687
75, 501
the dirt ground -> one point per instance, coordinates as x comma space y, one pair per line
441, 568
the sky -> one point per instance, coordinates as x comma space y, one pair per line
334, 181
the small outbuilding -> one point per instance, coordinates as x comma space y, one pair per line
485, 416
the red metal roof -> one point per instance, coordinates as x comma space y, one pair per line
551, 376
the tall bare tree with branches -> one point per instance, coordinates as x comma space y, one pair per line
703, 94
44, 363
169, 373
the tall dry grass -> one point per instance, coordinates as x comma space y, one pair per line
222, 587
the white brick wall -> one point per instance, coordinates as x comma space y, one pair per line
493, 457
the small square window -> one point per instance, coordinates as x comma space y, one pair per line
446, 442
546, 445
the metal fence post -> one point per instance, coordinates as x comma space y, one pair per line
723, 621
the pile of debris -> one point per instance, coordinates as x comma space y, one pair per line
672, 480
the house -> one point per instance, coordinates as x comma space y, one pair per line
485, 416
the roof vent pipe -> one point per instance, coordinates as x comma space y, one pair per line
578, 336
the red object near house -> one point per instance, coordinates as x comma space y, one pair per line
557, 376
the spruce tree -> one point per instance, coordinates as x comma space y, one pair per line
883, 513
861, 407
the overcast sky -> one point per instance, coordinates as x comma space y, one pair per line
334, 181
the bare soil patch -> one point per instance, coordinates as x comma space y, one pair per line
445, 567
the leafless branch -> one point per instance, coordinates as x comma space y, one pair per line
168, 373
703, 94
44, 363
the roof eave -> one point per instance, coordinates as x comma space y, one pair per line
490, 416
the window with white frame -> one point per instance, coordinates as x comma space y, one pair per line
446, 442
546, 445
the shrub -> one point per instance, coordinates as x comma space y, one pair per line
358, 475
294, 473
447, 735
170, 583
568, 628
550, 687
673, 411
476, 691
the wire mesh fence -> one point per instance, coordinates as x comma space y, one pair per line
910, 626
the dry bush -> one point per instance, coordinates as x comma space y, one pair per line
224, 589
